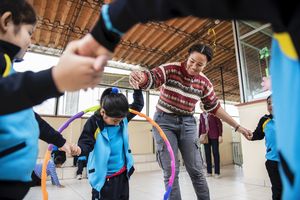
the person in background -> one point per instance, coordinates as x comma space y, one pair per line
213, 127
36, 175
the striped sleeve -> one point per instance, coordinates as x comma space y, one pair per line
209, 98
156, 77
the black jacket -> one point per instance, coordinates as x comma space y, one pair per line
259, 133
49, 134
284, 15
87, 140
23, 90
19, 91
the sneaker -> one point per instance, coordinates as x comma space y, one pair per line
217, 176
208, 175
79, 177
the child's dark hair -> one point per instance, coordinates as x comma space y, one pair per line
203, 49
114, 103
269, 97
59, 157
22, 11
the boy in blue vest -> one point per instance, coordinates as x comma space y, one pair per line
266, 129
20, 130
105, 139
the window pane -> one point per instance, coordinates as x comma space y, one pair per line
68, 104
46, 108
89, 98
255, 40
153, 99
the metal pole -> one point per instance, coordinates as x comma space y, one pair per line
222, 83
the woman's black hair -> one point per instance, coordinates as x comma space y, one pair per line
203, 49
270, 96
22, 11
114, 103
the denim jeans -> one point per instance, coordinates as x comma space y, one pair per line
214, 145
181, 132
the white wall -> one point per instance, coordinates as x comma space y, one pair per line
253, 151
140, 137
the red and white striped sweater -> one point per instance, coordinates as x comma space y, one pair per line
180, 91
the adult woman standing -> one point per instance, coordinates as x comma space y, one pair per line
182, 86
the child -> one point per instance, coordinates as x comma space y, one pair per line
81, 163
19, 131
266, 129
18, 150
36, 175
24, 90
105, 139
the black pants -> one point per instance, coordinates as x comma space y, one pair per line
35, 180
80, 165
13, 190
214, 144
115, 188
273, 171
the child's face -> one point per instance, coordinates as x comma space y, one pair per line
23, 38
19, 35
269, 104
111, 120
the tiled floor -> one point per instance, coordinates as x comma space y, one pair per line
149, 186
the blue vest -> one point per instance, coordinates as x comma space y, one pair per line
19, 133
285, 71
270, 139
98, 158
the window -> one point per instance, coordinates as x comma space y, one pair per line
255, 44
153, 99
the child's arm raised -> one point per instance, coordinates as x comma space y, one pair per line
259, 133
87, 139
138, 103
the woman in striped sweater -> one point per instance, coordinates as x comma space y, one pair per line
182, 85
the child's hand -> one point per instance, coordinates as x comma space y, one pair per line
75, 150
74, 72
88, 46
66, 148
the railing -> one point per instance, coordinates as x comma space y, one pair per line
237, 153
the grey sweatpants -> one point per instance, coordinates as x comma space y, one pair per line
181, 132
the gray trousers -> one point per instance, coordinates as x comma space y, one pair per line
181, 132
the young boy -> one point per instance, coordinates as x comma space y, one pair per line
19, 131
23, 90
266, 129
105, 139
36, 175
